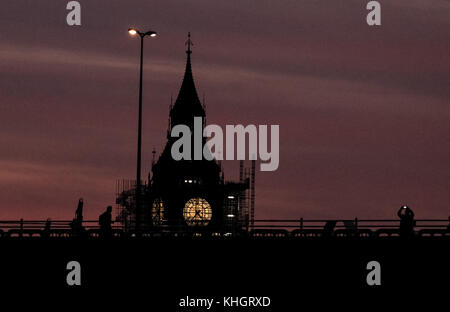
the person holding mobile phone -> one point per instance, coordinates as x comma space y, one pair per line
406, 216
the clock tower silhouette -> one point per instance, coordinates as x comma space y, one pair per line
186, 193
189, 195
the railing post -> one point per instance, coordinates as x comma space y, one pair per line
21, 228
356, 223
301, 224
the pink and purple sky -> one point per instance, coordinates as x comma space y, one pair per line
364, 112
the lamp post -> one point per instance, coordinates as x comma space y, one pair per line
133, 32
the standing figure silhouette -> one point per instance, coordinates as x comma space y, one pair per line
407, 222
105, 221
47, 228
77, 222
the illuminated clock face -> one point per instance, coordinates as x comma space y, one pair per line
158, 211
197, 211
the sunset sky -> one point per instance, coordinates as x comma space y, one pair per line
364, 112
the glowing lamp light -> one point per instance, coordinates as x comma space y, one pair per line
134, 31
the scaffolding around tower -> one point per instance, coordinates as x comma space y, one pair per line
238, 203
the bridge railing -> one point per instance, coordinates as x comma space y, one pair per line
346, 228
55, 224
265, 228
345, 223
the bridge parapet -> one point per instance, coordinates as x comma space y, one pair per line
300, 228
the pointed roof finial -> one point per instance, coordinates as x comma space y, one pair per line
189, 43
187, 103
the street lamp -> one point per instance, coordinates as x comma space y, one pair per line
133, 31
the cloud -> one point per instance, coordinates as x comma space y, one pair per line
363, 112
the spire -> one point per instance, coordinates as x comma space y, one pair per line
187, 105
189, 44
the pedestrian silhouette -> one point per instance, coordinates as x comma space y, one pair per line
407, 222
77, 222
46, 231
105, 221
79, 211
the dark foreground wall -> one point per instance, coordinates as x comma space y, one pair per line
161, 272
